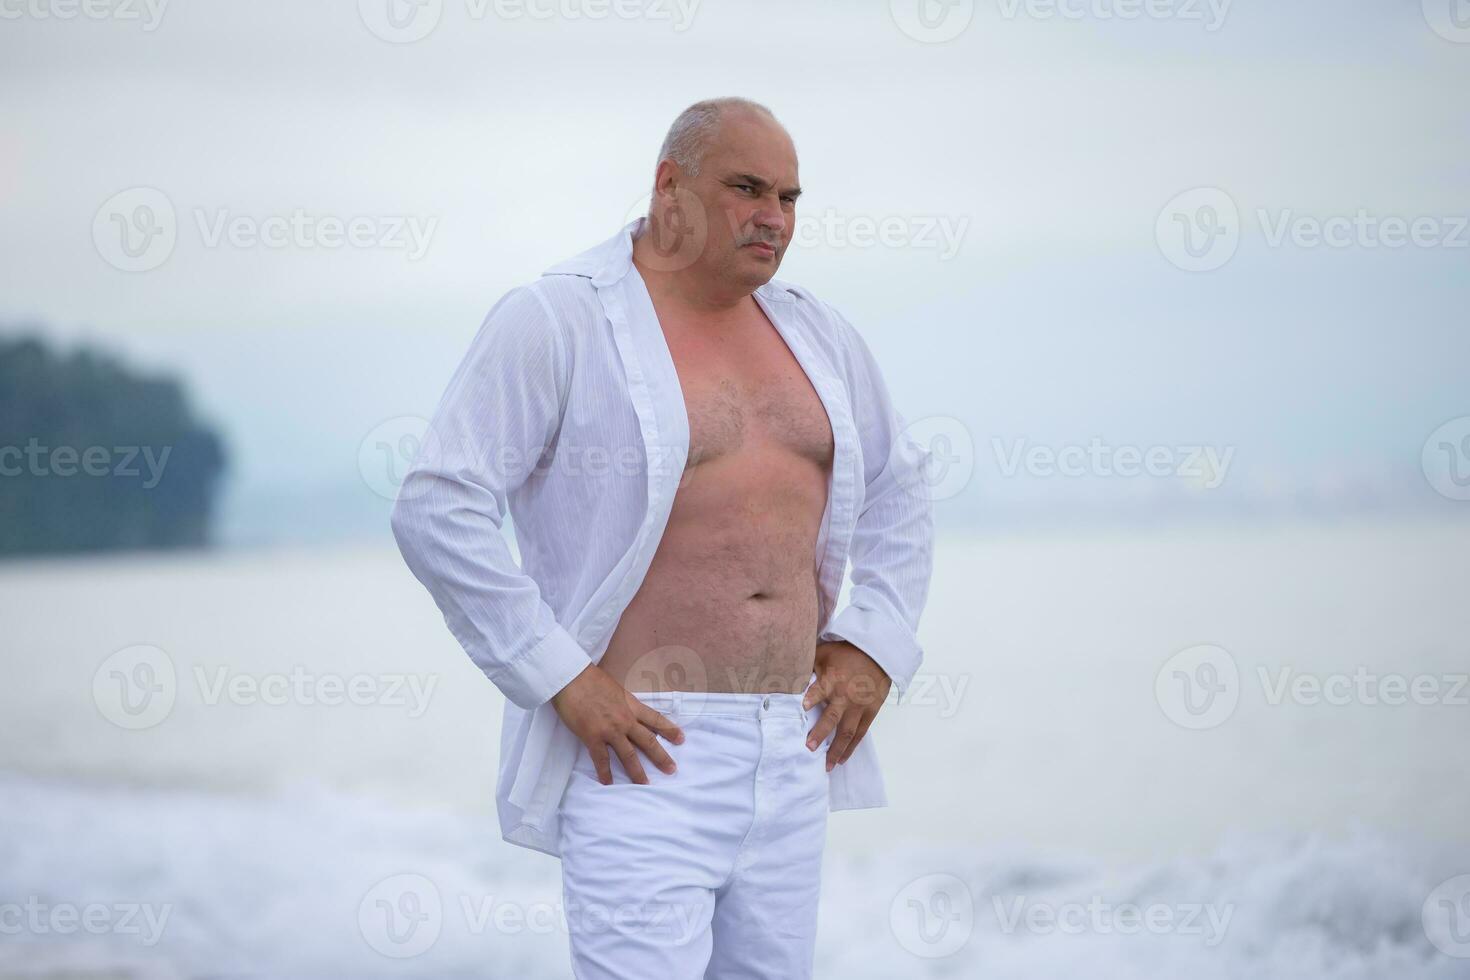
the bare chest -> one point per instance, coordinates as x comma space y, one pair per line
745, 392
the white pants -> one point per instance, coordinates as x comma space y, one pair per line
713, 871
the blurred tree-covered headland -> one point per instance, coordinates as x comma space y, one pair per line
94, 457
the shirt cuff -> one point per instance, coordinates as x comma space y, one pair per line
548, 667
891, 645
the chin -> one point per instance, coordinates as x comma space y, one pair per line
755, 279
753, 273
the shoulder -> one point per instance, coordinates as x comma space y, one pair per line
552, 308
563, 297
528, 329
826, 324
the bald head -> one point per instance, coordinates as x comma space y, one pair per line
690, 137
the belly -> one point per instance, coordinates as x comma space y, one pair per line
730, 599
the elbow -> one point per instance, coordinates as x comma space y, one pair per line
406, 516
398, 521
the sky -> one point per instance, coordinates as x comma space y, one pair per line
1037, 167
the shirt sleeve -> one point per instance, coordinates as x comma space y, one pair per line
892, 549
499, 414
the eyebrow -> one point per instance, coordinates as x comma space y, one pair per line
761, 183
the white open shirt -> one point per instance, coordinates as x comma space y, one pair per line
567, 414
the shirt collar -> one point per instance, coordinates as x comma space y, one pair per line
608, 262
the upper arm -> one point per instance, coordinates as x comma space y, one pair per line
502, 408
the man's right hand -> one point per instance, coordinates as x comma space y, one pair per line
603, 713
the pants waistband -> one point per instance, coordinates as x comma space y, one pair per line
738, 704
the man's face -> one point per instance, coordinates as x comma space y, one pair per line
747, 188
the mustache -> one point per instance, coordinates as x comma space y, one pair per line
763, 240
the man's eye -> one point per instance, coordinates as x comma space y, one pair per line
787, 199
744, 187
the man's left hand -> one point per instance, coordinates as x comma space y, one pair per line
853, 687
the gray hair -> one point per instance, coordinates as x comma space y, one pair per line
690, 134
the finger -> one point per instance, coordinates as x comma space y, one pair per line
648, 742
601, 763
862, 730
846, 729
629, 757
660, 723
831, 715
819, 691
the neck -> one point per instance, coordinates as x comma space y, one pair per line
686, 288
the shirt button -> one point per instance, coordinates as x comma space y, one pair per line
766, 701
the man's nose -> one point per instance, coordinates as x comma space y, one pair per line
770, 217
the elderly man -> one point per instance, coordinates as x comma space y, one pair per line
692, 452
